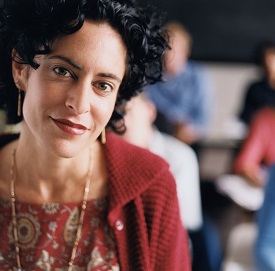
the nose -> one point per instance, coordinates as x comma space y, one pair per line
78, 99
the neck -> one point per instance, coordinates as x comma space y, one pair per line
49, 178
44, 176
41, 165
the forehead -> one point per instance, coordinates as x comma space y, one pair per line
93, 41
178, 40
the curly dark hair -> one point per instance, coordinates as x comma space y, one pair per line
30, 27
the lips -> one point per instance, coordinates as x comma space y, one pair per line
70, 127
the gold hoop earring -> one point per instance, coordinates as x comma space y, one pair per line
103, 136
19, 105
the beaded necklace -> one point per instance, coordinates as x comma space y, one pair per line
80, 221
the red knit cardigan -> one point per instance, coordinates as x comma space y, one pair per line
144, 210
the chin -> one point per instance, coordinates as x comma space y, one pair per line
66, 149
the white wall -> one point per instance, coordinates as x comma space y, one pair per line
229, 82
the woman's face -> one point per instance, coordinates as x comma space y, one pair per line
70, 98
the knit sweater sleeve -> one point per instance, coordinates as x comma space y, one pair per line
168, 239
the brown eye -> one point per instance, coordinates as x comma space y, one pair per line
104, 87
62, 71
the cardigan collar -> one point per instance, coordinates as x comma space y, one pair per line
131, 170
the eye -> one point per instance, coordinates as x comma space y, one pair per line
104, 87
62, 72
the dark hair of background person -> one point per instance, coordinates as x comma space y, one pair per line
31, 27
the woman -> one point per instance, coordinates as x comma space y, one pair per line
258, 149
69, 202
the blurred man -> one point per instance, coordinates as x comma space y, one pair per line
183, 101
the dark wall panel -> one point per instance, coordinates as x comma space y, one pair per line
223, 30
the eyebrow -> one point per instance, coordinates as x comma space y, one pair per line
72, 63
110, 75
66, 59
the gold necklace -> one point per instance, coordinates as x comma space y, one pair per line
80, 221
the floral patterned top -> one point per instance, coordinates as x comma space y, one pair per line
46, 234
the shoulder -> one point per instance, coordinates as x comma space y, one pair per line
257, 85
180, 156
195, 67
121, 152
198, 72
265, 114
262, 124
177, 144
171, 147
133, 170
132, 160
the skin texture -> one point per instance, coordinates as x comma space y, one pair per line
71, 84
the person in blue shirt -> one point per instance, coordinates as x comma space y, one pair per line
184, 99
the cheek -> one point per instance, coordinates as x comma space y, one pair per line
101, 110
42, 95
31, 111
35, 104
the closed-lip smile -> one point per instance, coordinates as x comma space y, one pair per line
70, 127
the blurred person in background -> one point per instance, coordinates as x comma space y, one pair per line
256, 158
258, 149
261, 93
183, 100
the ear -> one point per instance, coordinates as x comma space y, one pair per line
19, 71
